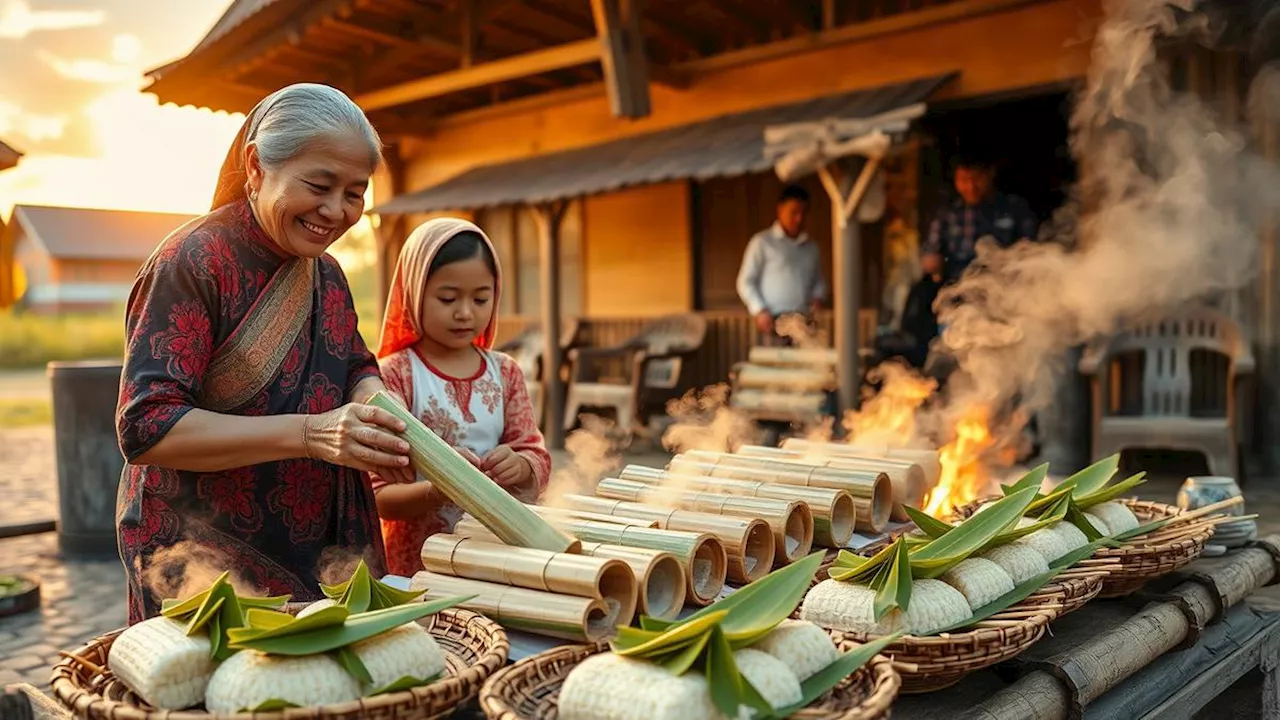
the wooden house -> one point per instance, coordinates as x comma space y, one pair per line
614, 149
59, 259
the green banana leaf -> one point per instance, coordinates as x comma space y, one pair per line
896, 589
928, 524
1033, 479
214, 611
822, 681
1093, 478
944, 553
1109, 493
362, 592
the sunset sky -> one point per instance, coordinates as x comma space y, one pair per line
70, 98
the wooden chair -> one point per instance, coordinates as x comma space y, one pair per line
1173, 384
527, 350
651, 365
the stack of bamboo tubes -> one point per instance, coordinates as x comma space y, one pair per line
784, 381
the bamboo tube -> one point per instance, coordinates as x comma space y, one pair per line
926, 459
907, 478
872, 491
747, 541
792, 520
561, 573
472, 490
660, 581
836, 513
752, 399
799, 379
562, 616
569, 514
811, 357
705, 561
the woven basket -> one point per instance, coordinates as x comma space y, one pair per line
529, 689
475, 647
940, 661
1143, 558
1147, 557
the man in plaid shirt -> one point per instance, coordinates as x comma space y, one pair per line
979, 211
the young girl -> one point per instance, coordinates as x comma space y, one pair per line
435, 353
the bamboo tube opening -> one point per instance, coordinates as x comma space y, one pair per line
881, 502
797, 539
618, 590
844, 519
663, 591
708, 568
602, 618
758, 550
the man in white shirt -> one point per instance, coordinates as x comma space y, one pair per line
781, 270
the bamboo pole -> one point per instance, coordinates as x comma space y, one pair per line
551, 513
872, 491
809, 357
702, 555
926, 459
836, 513
786, 378
907, 478
607, 579
753, 399
472, 490
562, 616
792, 521
748, 541
660, 581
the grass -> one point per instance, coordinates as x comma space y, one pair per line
25, 412
30, 341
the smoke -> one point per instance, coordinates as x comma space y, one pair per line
802, 335
889, 416
594, 453
188, 567
703, 420
1169, 214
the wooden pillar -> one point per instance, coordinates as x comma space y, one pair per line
1267, 337
390, 233
846, 194
548, 218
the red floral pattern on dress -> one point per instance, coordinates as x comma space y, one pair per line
232, 494
459, 392
339, 318
185, 344
320, 396
443, 424
275, 522
403, 538
303, 502
490, 393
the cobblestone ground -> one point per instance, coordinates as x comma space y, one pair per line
83, 599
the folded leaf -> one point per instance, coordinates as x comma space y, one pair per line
215, 611
680, 661
971, 535
354, 666
362, 592
1110, 493
655, 624
928, 524
722, 674
405, 683
678, 636
270, 705
757, 608
1092, 478
1033, 479
1077, 518
821, 682
331, 628
863, 570
1053, 503
896, 591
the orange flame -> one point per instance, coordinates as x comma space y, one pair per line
964, 475
888, 418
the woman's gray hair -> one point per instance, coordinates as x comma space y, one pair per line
282, 124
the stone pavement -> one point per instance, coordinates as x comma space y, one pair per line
83, 599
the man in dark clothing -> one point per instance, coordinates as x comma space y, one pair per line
979, 211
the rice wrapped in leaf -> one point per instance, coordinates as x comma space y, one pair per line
802, 646
980, 580
1050, 544
408, 651
250, 678
851, 607
1019, 559
1071, 537
163, 665
1118, 517
1098, 523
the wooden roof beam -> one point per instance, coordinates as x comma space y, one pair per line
265, 47
560, 57
626, 69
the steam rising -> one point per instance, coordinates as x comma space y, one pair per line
186, 568
705, 421
593, 454
1169, 214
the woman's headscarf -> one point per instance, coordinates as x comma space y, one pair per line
233, 176
402, 323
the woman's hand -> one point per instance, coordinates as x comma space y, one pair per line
357, 436
506, 466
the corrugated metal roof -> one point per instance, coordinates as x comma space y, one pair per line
720, 147
91, 234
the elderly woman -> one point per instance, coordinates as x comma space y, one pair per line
241, 408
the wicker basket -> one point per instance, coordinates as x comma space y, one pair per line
939, 661
528, 689
1143, 558
475, 647
1147, 557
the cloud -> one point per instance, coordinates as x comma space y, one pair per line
18, 19
91, 70
33, 127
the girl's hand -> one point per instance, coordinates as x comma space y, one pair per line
357, 436
506, 466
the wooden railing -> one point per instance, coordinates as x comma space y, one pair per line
730, 335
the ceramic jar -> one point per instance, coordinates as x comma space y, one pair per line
1197, 492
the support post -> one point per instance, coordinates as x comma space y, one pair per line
846, 194
548, 218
